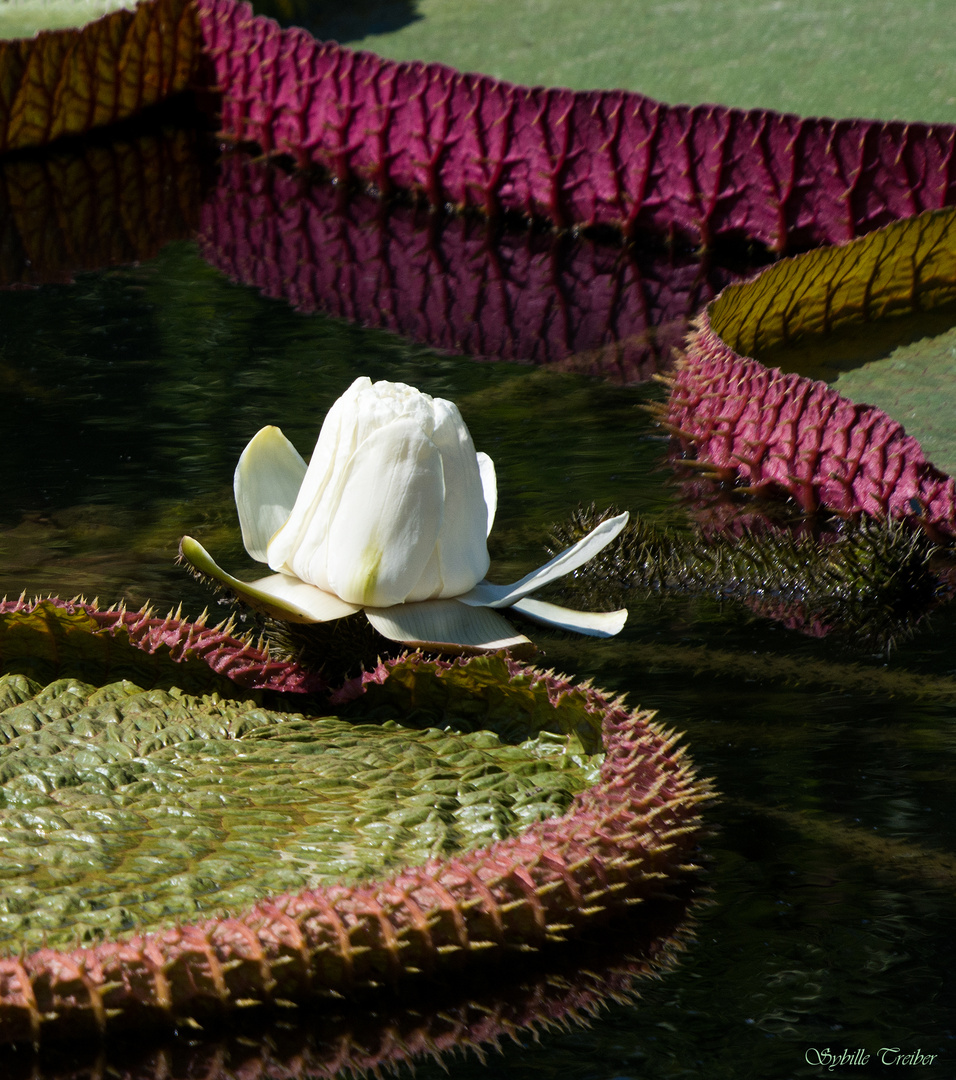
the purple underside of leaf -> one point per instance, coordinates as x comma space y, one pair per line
798, 434
610, 158
588, 308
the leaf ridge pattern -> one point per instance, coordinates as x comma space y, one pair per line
583, 307
586, 158
65, 82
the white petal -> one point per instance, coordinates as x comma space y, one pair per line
458, 558
489, 485
592, 623
277, 595
450, 627
487, 595
307, 525
384, 531
266, 483
429, 585
298, 598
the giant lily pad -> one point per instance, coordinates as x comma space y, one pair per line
131, 808
194, 854
593, 158
532, 993
52, 639
601, 158
830, 310
857, 58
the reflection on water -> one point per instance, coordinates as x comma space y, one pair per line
454, 283
129, 397
443, 1024
63, 211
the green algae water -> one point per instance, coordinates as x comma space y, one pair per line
831, 870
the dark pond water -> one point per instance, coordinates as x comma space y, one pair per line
129, 393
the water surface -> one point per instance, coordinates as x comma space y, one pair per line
130, 393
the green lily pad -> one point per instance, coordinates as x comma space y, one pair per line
905, 366
876, 322
915, 384
856, 58
184, 853
23, 18
874, 318
124, 808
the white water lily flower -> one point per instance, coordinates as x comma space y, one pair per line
391, 517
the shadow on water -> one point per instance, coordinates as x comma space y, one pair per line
852, 348
344, 21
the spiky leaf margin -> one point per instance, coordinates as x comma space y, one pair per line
554, 990
871, 579
53, 638
774, 429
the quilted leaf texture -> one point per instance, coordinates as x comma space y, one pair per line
629, 838
774, 428
109, 204
65, 82
589, 158
446, 283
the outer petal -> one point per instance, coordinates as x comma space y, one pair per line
277, 595
592, 623
266, 483
489, 485
300, 601
388, 519
308, 523
487, 595
450, 627
429, 585
462, 544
